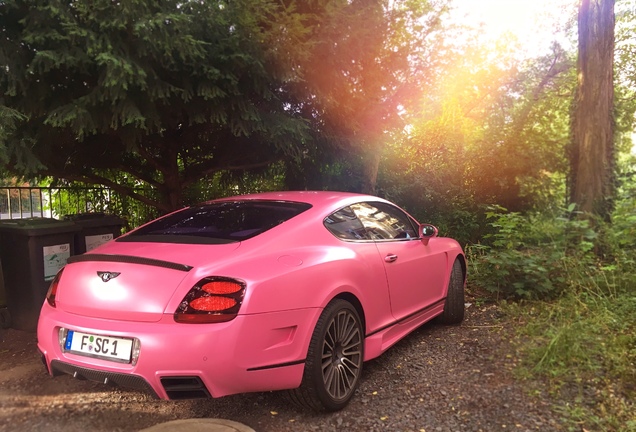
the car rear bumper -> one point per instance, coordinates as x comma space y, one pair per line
250, 353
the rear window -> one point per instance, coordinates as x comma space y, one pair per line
345, 224
223, 222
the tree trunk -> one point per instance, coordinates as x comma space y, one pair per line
592, 151
172, 185
370, 171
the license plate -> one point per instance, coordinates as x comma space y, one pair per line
104, 347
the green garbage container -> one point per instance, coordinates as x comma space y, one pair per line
32, 251
5, 319
95, 229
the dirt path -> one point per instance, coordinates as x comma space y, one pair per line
439, 379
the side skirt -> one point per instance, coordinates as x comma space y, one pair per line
381, 340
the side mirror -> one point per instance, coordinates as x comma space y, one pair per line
427, 232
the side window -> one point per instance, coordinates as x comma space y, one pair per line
383, 221
345, 225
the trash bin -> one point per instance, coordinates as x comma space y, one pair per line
95, 229
32, 251
5, 319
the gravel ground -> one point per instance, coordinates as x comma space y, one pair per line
439, 379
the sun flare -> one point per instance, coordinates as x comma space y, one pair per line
534, 23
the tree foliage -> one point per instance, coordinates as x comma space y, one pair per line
166, 93
366, 63
200, 99
489, 133
140, 93
625, 73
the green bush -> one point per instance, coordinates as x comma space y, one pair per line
577, 332
531, 256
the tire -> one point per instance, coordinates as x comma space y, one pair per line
454, 304
334, 360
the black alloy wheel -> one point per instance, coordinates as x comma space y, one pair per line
334, 359
454, 303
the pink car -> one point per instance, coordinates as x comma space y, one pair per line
274, 291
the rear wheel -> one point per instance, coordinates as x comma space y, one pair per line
334, 360
454, 304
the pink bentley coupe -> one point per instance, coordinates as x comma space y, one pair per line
275, 291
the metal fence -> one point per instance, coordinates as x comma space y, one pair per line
57, 202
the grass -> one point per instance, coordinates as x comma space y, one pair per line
576, 327
583, 345
576, 324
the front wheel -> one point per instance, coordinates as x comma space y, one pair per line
334, 360
454, 304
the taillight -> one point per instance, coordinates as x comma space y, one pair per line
211, 300
50, 295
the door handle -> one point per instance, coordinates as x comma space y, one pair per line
390, 258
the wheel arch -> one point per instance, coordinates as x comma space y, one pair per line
355, 302
462, 261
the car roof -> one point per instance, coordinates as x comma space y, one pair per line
320, 199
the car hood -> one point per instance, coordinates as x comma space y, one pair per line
135, 281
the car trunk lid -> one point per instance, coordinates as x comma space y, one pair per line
109, 284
